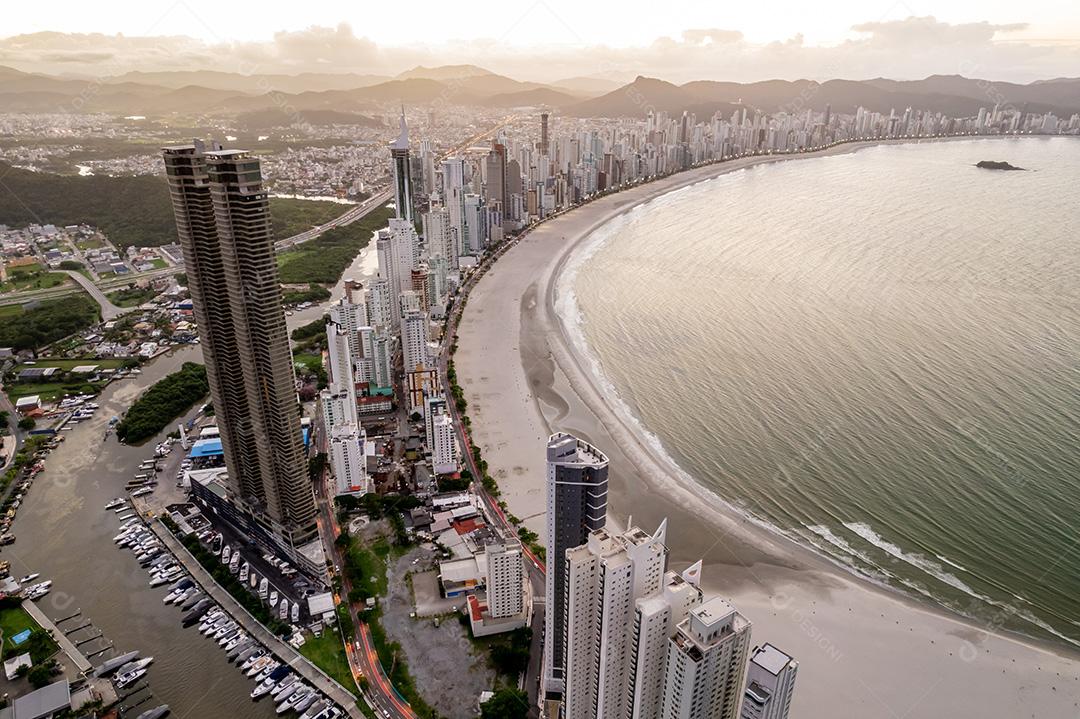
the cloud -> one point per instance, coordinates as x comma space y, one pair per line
928, 31
902, 49
702, 36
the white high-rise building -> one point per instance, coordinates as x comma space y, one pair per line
444, 448
604, 579
439, 235
414, 341
365, 360
383, 359
476, 225
505, 580
706, 663
350, 317
399, 254
655, 620
348, 459
770, 684
342, 384
434, 405
453, 196
380, 304
337, 409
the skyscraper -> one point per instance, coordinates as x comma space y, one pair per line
399, 151
706, 663
543, 133
576, 505
604, 579
770, 683
223, 223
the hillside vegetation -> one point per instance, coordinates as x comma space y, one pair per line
132, 211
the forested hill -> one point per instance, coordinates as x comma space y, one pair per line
132, 211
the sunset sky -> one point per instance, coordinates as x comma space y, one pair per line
550, 39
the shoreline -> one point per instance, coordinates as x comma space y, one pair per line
797, 598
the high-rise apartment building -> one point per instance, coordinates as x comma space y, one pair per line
399, 151
444, 449
577, 483
348, 459
706, 663
604, 579
770, 684
223, 223
505, 580
414, 341
655, 620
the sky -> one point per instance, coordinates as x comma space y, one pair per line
546, 40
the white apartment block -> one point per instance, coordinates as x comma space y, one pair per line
505, 580
604, 579
444, 448
770, 684
414, 341
655, 620
337, 409
348, 459
706, 663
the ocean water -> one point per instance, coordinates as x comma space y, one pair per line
876, 353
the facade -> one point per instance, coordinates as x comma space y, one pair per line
770, 684
414, 341
576, 505
604, 579
706, 663
348, 459
655, 620
338, 409
505, 580
399, 151
223, 223
444, 449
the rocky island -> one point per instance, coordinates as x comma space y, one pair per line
996, 165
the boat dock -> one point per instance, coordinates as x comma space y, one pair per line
81, 662
305, 669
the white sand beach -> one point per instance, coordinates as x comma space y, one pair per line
864, 651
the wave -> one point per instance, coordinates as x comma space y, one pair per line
918, 561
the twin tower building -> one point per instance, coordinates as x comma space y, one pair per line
625, 637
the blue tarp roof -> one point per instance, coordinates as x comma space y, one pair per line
206, 448
212, 447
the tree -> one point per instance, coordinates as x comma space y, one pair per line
27, 423
507, 703
40, 675
4, 421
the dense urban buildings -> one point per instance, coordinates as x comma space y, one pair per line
223, 223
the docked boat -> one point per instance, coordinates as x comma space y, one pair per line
273, 598
316, 709
234, 565
244, 570
115, 502
141, 492
264, 588
235, 641
250, 660
39, 590
241, 648
156, 713
194, 598
282, 688
295, 613
258, 665
29, 577
228, 636
283, 611
272, 669
135, 665
196, 612
111, 665
303, 704
253, 580
293, 699
226, 553
124, 680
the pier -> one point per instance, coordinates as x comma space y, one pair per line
81, 662
305, 669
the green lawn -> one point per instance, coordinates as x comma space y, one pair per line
68, 364
159, 263
132, 297
14, 619
32, 277
48, 391
328, 653
10, 310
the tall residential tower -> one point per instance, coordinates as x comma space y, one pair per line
576, 505
223, 222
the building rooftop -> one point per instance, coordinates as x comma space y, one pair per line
770, 659
43, 702
567, 449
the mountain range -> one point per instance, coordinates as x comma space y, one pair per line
347, 97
